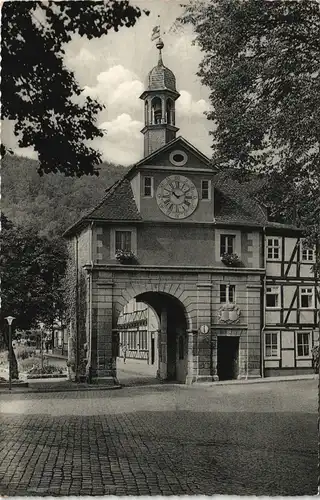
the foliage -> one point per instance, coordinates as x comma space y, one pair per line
24, 352
261, 64
50, 204
31, 271
125, 256
4, 357
47, 369
28, 363
39, 93
315, 358
230, 259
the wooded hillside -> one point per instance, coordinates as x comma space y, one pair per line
53, 202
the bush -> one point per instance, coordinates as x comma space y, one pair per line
24, 352
27, 363
4, 357
47, 369
315, 358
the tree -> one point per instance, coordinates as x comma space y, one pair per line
261, 63
39, 92
51, 203
31, 272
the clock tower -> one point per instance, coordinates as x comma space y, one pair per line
159, 109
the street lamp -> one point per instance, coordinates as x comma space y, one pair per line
10, 319
41, 325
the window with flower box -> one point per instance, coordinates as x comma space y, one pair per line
227, 244
123, 240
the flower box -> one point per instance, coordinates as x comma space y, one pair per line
230, 259
125, 257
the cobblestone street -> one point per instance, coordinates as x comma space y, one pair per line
256, 439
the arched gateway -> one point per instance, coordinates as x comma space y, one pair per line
188, 240
169, 296
172, 335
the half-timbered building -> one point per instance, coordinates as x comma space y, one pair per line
291, 303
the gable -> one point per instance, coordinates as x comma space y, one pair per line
178, 154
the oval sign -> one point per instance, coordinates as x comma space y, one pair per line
204, 328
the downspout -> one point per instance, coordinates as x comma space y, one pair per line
76, 354
89, 347
263, 305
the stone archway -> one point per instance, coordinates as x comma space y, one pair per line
172, 338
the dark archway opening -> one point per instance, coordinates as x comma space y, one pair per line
168, 346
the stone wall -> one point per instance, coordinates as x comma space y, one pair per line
198, 294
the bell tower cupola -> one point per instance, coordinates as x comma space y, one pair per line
159, 106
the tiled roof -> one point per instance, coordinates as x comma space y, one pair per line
117, 204
281, 225
161, 77
235, 204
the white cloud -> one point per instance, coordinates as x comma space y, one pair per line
123, 141
119, 89
186, 106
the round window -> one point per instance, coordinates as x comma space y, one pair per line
178, 158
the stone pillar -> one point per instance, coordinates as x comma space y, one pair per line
203, 346
163, 345
214, 355
103, 363
163, 110
252, 342
191, 334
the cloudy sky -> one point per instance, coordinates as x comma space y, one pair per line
114, 68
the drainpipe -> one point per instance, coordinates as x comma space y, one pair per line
76, 354
316, 279
89, 347
263, 304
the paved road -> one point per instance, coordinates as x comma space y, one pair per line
257, 439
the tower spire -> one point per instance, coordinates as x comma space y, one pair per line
159, 102
160, 46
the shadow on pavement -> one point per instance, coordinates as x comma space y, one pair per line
161, 452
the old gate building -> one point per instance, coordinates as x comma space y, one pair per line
230, 290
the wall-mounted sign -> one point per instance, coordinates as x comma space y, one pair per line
204, 329
229, 313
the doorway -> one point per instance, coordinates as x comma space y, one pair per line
228, 356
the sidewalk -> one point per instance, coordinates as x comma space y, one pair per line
135, 373
264, 380
136, 366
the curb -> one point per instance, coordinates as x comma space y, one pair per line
34, 390
49, 376
5, 385
264, 380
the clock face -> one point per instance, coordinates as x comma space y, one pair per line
177, 197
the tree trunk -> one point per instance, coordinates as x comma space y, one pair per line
14, 363
14, 366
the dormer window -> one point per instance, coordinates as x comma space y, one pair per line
205, 190
148, 187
